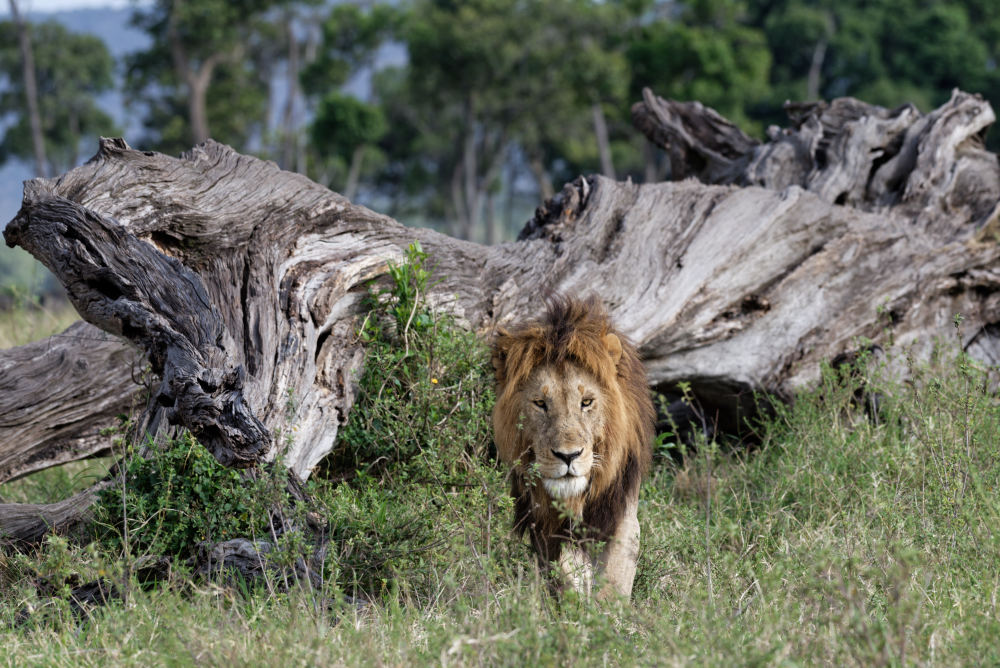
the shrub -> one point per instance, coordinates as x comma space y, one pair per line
411, 491
178, 496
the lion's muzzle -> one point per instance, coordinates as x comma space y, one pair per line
566, 487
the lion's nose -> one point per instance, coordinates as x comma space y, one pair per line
567, 457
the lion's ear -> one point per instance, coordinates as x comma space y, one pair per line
614, 346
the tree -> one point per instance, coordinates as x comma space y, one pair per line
30, 89
582, 52
70, 71
345, 129
883, 51
489, 82
707, 54
196, 79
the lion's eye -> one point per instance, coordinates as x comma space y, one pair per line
541, 404
586, 402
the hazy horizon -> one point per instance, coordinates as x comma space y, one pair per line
48, 6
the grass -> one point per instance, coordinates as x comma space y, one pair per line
26, 321
57, 483
841, 539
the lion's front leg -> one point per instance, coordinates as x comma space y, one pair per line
576, 569
621, 555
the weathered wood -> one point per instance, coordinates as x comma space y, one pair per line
59, 395
698, 141
930, 169
243, 283
127, 287
29, 522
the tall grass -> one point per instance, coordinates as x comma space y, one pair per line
845, 537
26, 320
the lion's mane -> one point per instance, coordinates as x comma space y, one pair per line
574, 331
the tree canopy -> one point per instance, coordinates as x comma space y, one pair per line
486, 101
70, 71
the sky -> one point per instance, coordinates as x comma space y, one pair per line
33, 6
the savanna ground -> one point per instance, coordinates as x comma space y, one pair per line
843, 537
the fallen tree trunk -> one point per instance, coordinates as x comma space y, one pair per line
243, 284
58, 396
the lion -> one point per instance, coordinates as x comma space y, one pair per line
574, 420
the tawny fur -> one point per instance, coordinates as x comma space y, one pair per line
577, 333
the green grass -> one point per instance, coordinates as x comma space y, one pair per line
56, 483
838, 540
26, 321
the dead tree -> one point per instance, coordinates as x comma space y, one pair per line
241, 285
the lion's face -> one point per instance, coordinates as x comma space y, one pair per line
563, 412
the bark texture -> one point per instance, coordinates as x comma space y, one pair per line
242, 284
57, 395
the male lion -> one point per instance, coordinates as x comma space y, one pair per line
574, 419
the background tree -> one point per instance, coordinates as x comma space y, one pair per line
70, 71
491, 82
583, 126
30, 86
708, 53
196, 79
345, 130
886, 52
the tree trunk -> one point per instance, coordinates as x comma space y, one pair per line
603, 143
57, 395
815, 70
198, 83
856, 225
196, 78
30, 90
289, 134
354, 172
470, 170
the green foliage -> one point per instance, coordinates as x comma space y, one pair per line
173, 498
484, 77
189, 41
71, 70
351, 36
343, 123
344, 132
709, 56
418, 499
406, 298
887, 52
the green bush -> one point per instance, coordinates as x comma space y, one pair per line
411, 492
178, 496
